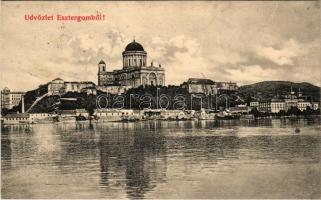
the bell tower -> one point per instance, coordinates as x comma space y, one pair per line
101, 66
104, 77
101, 72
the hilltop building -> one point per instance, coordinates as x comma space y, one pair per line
195, 85
207, 86
9, 99
60, 87
134, 73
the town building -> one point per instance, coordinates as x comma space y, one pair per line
291, 100
277, 105
114, 89
240, 109
315, 105
173, 114
265, 106
89, 90
207, 86
302, 104
134, 73
287, 102
117, 114
227, 86
82, 113
9, 99
16, 118
40, 117
254, 104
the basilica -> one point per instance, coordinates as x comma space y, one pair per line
134, 73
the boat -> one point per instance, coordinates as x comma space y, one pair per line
247, 116
225, 115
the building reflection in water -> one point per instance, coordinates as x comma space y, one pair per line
15, 140
78, 143
133, 159
6, 150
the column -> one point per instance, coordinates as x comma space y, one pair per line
22, 104
163, 79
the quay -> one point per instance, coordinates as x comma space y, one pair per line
106, 115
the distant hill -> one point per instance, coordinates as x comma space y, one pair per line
269, 89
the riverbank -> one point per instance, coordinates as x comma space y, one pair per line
133, 116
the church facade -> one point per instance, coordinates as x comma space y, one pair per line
135, 71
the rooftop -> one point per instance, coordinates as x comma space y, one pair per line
200, 81
134, 46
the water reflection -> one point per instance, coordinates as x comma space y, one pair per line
5, 150
133, 159
136, 160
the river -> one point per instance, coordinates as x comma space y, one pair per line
163, 159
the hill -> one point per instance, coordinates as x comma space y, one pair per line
269, 89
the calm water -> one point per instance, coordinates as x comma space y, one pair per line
232, 159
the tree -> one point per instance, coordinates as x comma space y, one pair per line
293, 111
255, 112
4, 111
281, 113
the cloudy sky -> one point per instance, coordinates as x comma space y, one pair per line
224, 41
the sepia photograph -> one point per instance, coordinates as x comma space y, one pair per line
160, 100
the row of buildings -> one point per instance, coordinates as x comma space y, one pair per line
104, 115
275, 105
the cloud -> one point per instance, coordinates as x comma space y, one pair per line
88, 48
182, 56
223, 41
253, 73
281, 56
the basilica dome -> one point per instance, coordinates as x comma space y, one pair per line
134, 46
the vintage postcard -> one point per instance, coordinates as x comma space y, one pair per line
160, 100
